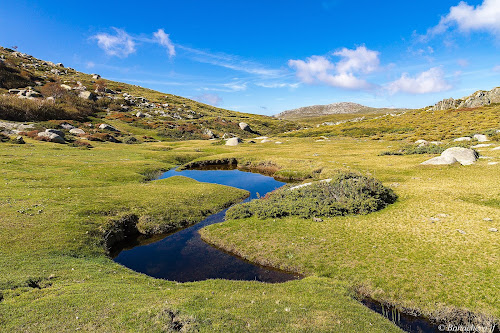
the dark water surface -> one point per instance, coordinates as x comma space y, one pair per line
183, 256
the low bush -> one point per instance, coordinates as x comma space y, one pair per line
347, 193
429, 149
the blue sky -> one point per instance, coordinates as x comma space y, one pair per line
269, 56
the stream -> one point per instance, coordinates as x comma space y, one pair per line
183, 256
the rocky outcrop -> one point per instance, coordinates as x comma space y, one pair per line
479, 98
108, 128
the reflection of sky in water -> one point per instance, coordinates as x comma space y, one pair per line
183, 256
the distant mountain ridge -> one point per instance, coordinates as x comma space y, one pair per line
329, 109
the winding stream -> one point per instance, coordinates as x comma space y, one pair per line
184, 257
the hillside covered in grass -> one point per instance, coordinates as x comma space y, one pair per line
35, 90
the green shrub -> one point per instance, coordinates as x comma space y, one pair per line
130, 140
348, 193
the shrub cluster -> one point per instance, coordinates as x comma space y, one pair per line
70, 107
429, 149
347, 193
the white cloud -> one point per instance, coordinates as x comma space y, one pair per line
164, 39
359, 60
230, 61
496, 68
485, 16
319, 69
120, 45
277, 85
211, 99
430, 81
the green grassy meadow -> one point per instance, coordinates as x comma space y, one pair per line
57, 203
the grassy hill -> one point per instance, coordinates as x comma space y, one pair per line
132, 109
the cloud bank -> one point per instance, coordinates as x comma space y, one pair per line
344, 73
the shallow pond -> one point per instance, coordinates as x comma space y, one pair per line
183, 256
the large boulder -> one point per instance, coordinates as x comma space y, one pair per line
88, 95
52, 137
245, 127
452, 155
464, 156
233, 141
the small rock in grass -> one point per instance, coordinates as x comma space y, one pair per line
317, 219
493, 229
461, 231
487, 219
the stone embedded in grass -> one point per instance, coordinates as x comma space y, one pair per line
481, 145
461, 231
493, 229
76, 131
233, 141
464, 138
480, 137
52, 137
108, 128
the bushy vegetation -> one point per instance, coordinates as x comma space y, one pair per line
427, 149
69, 107
11, 77
348, 193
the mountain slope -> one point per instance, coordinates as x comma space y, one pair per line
330, 109
37, 90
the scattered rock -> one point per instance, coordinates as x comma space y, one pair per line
66, 126
278, 142
481, 145
317, 219
52, 137
493, 229
20, 140
87, 95
261, 138
265, 140
496, 148
76, 131
492, 163
233, 141
58, 132
245, 127
140, 115
422, 143
208, 133
108, 128
461, 231
464, 138
480, 137
487, 219
65, 86
96, 76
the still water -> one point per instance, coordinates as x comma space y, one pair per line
183, 256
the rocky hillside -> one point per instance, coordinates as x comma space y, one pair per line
329, 109
50, 94
479, 98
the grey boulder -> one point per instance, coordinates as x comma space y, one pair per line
233, 141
